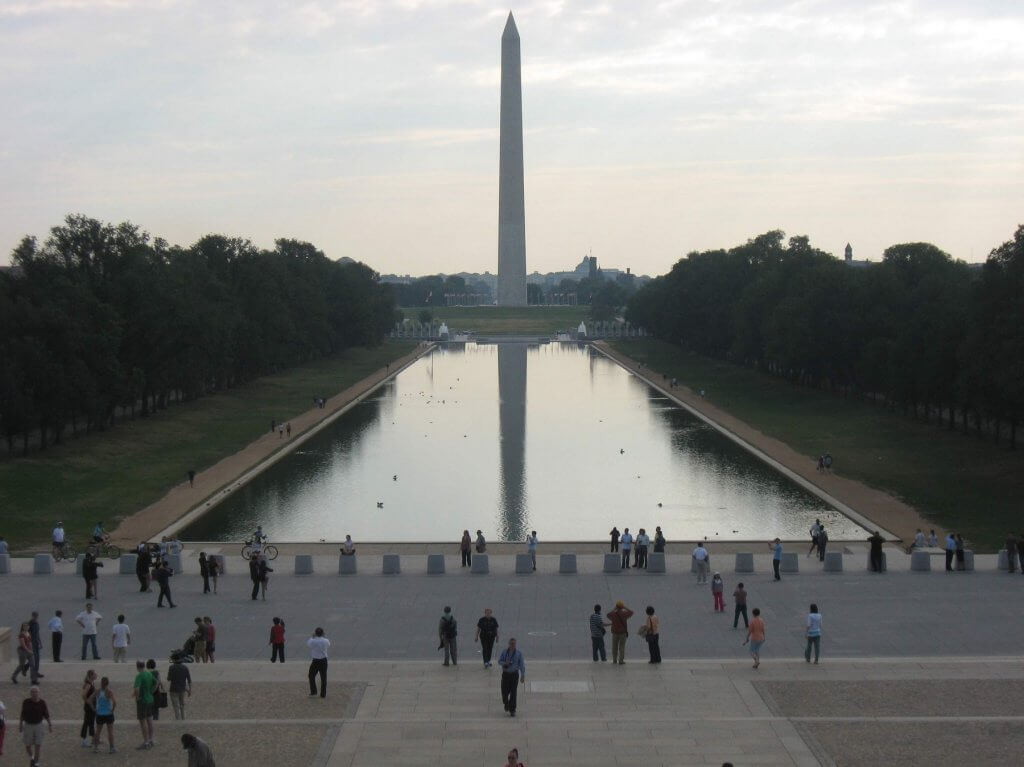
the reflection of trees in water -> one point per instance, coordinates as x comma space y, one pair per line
267, 498
512, 425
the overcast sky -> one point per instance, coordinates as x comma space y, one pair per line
370, 127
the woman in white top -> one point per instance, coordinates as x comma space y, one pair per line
813, 634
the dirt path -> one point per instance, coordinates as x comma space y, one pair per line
180, 499
885, 510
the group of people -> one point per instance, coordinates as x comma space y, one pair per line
468, 544
151, 564
638, 546
819, 540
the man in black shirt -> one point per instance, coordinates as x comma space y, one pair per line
180, 680
487, 634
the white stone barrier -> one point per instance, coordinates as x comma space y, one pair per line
790, 562
42, 564
524, 564
920, 561
435, 564
833, 562
744, 562
567, 563
5, 564
346, 564
126, 564
174, 562
1004, 563
968, 560
612, 564
303, 564
391, 564
656, 562
79, 559
480, 565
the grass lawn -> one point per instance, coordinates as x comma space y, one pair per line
506, 320
961, 482
107, 476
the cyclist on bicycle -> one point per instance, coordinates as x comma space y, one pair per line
58, 535
98, 534
258, 538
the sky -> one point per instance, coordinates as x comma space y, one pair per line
652, 129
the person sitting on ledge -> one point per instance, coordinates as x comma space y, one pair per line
348, 548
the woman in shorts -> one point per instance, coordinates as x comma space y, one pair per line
104, 703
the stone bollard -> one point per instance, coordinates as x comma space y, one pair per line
346, 564
744, 562
524, 565
42, 564
920, 561
303, 564
1004, 563
391, 564
611, 564
174, 562
885, 564
5, 564
790, 562
480, 565
968, 560
78, 564
435, 564
126, 564
221, 564
656, 562
567, 564
833, 562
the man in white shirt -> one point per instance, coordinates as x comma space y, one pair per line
642, 542
88, 620
626, 542
531, 547
120, 639
703, 560
58, 534
56, 626
318, 646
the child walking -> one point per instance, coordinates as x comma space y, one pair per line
718, 591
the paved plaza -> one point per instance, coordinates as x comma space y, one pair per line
917, 668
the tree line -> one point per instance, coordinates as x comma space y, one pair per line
102, 318
918, 331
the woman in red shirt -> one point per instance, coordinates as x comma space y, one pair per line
277, 640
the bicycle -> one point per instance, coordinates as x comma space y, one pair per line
268, 550
103, 549
64, 551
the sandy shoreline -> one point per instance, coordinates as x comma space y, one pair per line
879, 507
182, 499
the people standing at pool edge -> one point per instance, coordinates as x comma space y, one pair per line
876, 542
702, 559
626, 540
814, 534
813, 633
531, 547
776, 547
615, 539
950, 551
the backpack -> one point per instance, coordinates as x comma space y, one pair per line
450, 631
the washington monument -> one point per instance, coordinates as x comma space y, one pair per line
511, 205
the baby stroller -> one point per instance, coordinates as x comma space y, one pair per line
184, 655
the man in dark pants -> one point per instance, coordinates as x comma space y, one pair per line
597, 632
318, 646
739, 599
487, 634
254, 574
56, 627
1011, 554
950, 551
143, 562
163, 577
37, 643
876, 552
513, 673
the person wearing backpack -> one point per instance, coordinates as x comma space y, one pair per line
447, 631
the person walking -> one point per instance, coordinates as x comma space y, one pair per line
702, 560
597, 632
30, 724
513, 673
447, 634
143, 690
163, 578
199, 754
104, 703
143, 564
651, 632
627, 544
813, 633
56, 626
776, 548
211, 636
179, 682
318, 646
487, 634
614, 533
254, 575
88, 712
822, 543
466, 548
37, 643
159, 694
25, 664
620, 630
214, 565
950, 551
120, 639
755, 636
264, 572
199, 641
204, 571
277, 641
643, 541
739, 599
815, 528
89, 619
531, 547
718, 592
876, 542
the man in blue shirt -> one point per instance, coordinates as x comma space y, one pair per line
776, 547
627, 544
513, 672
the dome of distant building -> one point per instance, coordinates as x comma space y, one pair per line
346, 260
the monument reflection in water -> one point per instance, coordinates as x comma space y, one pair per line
513, 437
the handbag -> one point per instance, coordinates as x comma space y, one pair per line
161, 698
644, 630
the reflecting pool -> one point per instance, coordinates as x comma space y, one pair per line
509, 438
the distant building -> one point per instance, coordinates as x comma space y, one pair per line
849, 261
